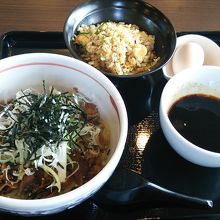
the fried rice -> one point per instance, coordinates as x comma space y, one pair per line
118, 48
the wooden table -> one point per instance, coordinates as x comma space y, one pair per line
50, 15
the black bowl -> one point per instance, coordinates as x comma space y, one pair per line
138, 12
137, 89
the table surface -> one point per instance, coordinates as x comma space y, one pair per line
50, 15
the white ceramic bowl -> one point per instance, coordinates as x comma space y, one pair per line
205, 79
210, 48
24, 71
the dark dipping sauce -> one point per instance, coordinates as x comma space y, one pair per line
197, 118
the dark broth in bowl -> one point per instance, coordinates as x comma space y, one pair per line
197, 118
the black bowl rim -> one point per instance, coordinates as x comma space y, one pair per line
148, 5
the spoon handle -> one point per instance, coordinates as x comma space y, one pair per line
158, 194
151, 195
127, 188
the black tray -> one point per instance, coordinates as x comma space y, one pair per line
146, 152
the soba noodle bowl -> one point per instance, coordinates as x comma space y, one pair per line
50, 143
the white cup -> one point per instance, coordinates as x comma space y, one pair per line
205, 80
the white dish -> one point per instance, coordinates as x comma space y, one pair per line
205, 80
210, 48
29, 70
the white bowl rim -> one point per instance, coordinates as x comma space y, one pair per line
165, 115
39, 204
